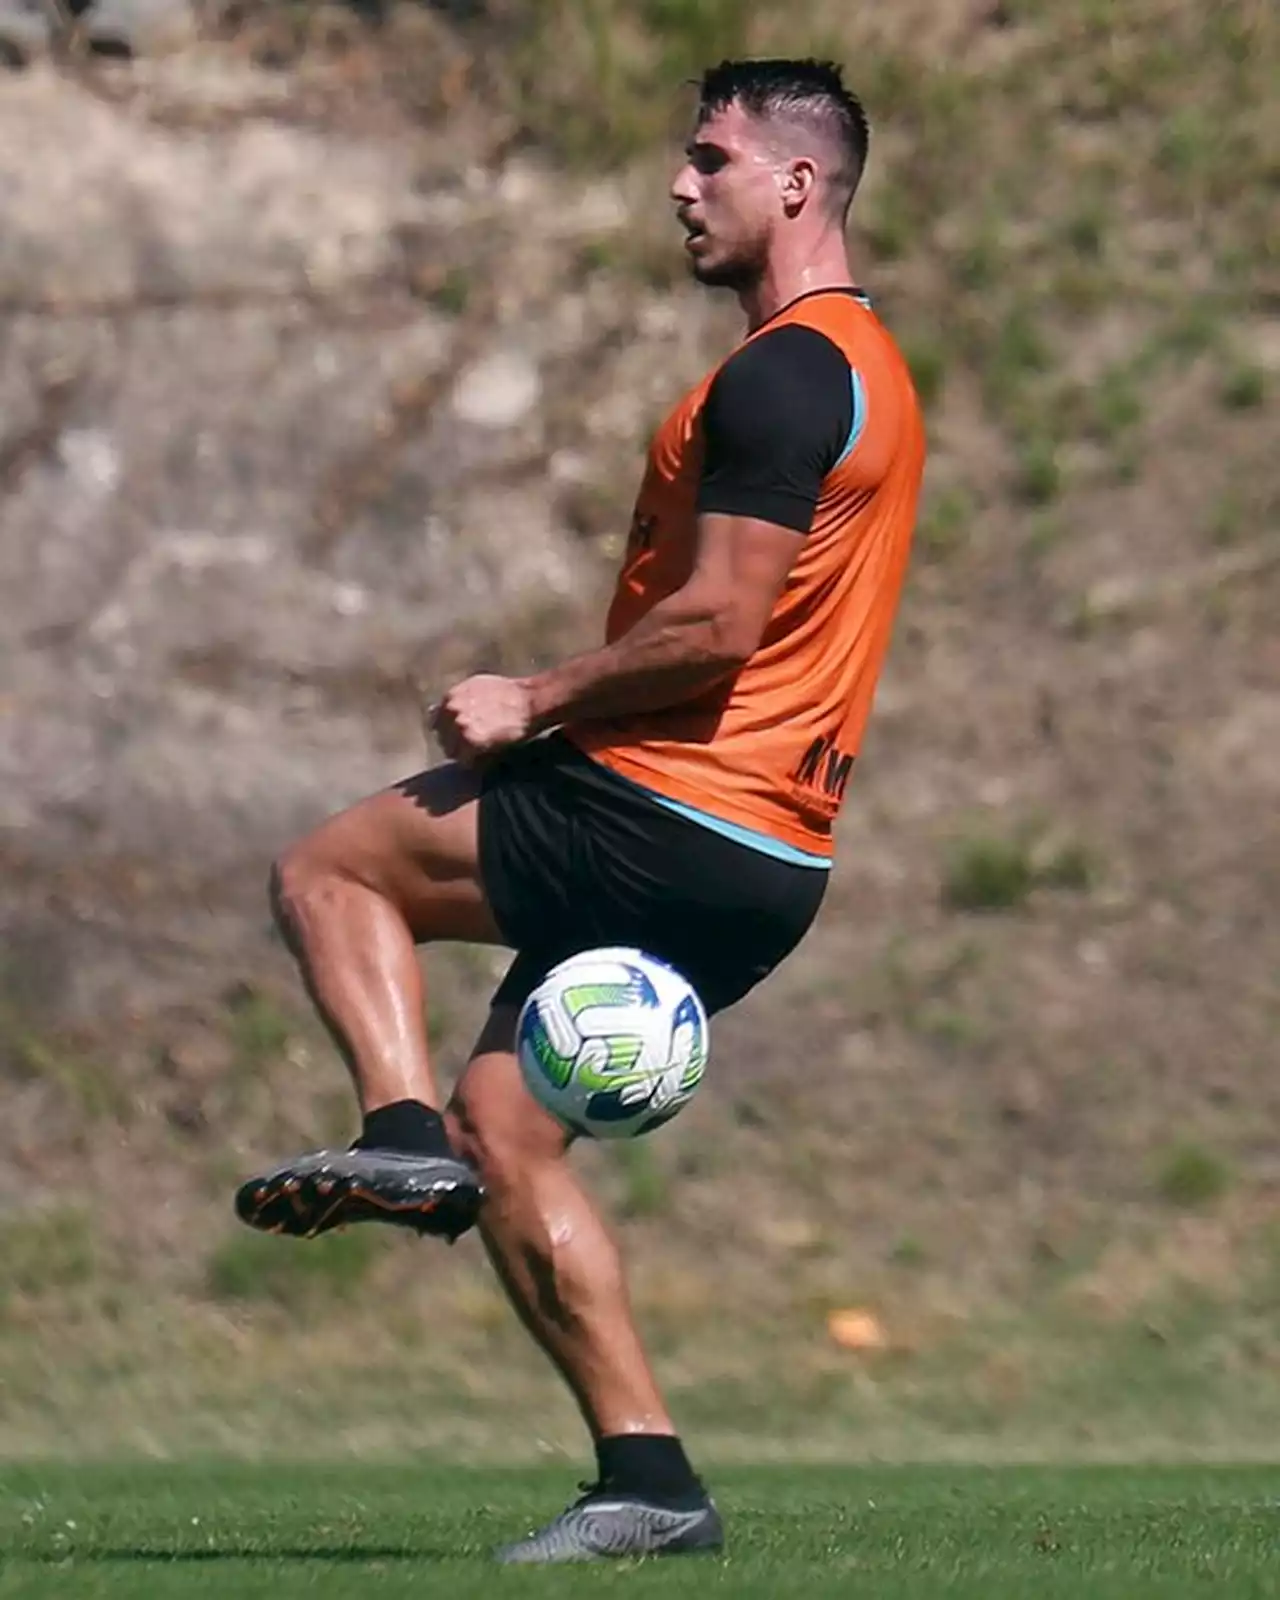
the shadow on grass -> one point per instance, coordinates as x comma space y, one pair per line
345, 1554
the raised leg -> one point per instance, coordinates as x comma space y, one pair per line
352, 900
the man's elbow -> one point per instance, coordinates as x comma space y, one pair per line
732, 640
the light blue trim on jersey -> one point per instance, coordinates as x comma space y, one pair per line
859, 414
763, 842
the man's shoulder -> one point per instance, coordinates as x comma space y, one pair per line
848, 318
852, 323
793, 343
778, 363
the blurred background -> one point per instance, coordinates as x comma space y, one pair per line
331, 337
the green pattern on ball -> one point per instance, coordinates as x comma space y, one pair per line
556, 1068
624, 1053
582, 996
615, 1071
693, 1073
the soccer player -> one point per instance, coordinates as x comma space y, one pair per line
674, 790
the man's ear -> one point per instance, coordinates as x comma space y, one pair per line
797, 182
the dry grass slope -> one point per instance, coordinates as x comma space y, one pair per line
1017, 1094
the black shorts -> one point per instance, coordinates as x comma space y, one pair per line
573, 857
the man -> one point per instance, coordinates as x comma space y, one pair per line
684, 803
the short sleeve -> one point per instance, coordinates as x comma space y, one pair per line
778, 417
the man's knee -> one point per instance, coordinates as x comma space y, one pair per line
488, 1142
301, 877
496, 1126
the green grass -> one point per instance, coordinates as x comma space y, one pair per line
248, 1267
945, 524
992, 873
45, 1250
1110, 1533
1190, 1176
35, 1055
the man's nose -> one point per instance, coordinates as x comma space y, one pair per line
683, 189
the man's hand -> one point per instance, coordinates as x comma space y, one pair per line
481, 715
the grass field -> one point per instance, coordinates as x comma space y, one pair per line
895, 1533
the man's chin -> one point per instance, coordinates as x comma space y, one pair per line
722, 274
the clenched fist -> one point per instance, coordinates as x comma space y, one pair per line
481, 715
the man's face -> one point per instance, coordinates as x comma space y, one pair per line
728, 199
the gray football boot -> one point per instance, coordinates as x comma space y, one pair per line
605, 1525
332, 1188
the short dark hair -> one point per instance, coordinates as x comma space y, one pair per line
808, 91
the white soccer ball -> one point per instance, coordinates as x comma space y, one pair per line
613, 1043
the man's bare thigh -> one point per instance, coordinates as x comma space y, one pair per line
417, 845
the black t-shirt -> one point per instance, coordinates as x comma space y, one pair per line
778, 417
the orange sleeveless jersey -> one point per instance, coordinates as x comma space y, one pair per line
772, 748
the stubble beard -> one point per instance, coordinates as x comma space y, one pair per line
742, 273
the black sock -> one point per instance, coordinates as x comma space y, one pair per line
406, 1125
650, 1465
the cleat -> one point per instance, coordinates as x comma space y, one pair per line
327, 1189
604, 1525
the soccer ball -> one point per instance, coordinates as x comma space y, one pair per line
612, 1043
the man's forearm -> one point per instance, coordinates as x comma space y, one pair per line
674, 652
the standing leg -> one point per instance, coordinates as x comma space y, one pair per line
563, 1273
549, 1245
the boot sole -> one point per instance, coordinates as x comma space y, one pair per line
302, 1207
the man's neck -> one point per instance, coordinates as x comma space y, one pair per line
826, 267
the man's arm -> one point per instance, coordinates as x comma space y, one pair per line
776, 420
687, 641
